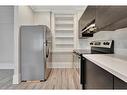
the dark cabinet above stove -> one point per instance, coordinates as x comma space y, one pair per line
86, 19
104, 18
110, 17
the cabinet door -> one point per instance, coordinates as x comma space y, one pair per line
97, 78
119, 84
87, 17
118, 25
108, 15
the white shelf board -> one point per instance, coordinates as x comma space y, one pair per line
63, 50
63, 46
66, 15
64, 18
64, 33
64, 36
65, 29
71, 40
64, 25
60, 34
64, 22
64, 43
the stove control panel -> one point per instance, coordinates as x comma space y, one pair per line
106, 43
97, 43
101, 43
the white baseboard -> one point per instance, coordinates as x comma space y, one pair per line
6, 65
16, 78
61, 65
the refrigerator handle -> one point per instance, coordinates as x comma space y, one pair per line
47, 54
46, 43
47, 50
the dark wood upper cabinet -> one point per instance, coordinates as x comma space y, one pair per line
87, 17
108, 16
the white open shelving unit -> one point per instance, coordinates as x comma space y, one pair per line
63, 39
64, 32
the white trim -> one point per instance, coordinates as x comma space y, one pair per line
53, 31
70, 12
52, 8
39, 11
76, 32
6, 65
16, 78
16, 46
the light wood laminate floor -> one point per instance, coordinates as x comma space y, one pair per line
58, 79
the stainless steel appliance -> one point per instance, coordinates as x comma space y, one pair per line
97, 47
36, 52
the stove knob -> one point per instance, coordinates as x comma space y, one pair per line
107, 43
91, 43
104, 43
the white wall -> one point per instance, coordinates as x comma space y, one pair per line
6, 35
42, 18
26, 15
6, 43
83, 44
79, 13
23, 15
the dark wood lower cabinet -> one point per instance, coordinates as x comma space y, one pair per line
119, 84
98, 78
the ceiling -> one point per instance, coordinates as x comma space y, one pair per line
53, 8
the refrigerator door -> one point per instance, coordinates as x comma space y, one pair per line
32, 53
48, 52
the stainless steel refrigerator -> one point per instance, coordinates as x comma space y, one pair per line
36, 52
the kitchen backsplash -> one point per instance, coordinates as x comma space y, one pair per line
83, 43
119, 36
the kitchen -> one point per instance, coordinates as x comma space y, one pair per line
76, 32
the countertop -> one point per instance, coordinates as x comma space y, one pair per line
113, 63
82, 51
